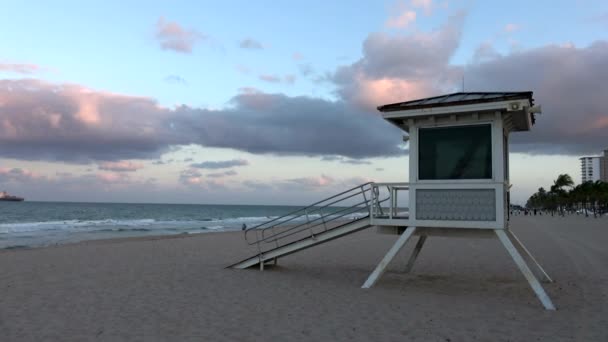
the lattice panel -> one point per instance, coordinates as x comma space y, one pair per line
456, 204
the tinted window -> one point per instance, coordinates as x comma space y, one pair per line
463, 152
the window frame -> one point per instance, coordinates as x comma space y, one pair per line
493, 163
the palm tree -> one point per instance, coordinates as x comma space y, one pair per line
561, 195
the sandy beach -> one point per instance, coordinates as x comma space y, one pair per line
177, 289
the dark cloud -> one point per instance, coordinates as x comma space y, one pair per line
172, 36
569, 83
222, 174
356, 162
251, 44
343, 160
279, 124
221, 164
42, 121
161, 162
120, 166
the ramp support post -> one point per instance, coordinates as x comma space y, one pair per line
377, 273
528, 257
523, 267
414, 256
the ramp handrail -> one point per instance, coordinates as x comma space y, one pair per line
329, 210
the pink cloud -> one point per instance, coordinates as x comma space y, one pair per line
113, 178
191, 177
120, 166
20, 68
297, 56
425, 5
270, 78
403, 20
18, 175
172, 36
509, 28
313, 182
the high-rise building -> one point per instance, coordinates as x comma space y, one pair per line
594, 168
604, 167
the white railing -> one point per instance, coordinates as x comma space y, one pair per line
393, 190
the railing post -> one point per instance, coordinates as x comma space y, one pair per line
276, 241
390, 194
308, 223
323, 219
366, 201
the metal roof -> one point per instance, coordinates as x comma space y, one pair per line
457, 99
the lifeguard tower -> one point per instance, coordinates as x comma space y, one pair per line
459, 186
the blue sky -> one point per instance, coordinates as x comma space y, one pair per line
302, 56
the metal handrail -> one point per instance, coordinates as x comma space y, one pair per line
274, 236
299, 212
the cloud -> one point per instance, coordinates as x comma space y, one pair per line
190, 177
510, 28
426, 5
243, 69
221, 164
312, 182
343, 160
171, 36
44, 121
287, 79
297, 56
175, 79
222, 174
251, 44
405, 19
161, 162
379, 169
567, 81
120, 166
356, 162
290, 79
401, 67
17, 175
270, 78
20, 68
305, 69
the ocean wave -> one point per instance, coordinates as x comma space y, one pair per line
144, 224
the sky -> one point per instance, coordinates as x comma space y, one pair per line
272, 102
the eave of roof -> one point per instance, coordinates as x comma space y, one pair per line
457, 99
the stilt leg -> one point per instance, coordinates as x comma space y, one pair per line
528, 256
410, 262
523, 267
261, 264
373, 278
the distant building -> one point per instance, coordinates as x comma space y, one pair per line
594, 168
604, 167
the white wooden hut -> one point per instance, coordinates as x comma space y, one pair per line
458, 187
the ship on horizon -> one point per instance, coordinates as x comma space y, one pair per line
5, 196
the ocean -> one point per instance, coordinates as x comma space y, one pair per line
34, 224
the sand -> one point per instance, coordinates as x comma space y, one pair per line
176, 289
